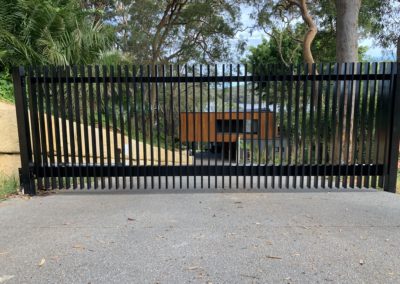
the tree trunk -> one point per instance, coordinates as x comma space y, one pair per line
347, 30
347, 51
307, 41
398, 50
152, 103
310, 35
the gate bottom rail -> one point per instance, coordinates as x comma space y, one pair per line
243, 170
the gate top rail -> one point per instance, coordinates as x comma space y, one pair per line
300, 72
220, 79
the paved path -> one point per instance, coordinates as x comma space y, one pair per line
167, 237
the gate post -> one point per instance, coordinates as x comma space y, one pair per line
391, 175
26, 179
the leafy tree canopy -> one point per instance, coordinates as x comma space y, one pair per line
59, 32
283, 48
377, 19
174, 31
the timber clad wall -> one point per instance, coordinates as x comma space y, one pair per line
206, 124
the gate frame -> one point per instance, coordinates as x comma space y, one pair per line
394, 138
26, 172
26, 178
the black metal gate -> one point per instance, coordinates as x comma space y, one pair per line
330, 125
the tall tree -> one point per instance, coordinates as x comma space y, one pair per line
341, 22
346, 51
175, 31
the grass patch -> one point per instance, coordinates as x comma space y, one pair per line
8, 186
398, 181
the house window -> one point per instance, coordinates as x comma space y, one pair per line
226, 125
241, 126
251, 126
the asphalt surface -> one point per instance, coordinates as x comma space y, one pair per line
193, 236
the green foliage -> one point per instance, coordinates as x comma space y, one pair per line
59, 32
6, 88
282, 49
387, 27
8, 186
37, 32
112, 57
152, 31
377, 19
289, 49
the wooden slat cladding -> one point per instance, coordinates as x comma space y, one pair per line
209, 122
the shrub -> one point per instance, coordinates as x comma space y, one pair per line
6, 88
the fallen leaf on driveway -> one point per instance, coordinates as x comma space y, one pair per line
274, 257
249, 276
4, 278
42, 262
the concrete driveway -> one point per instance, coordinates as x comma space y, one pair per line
201, 237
